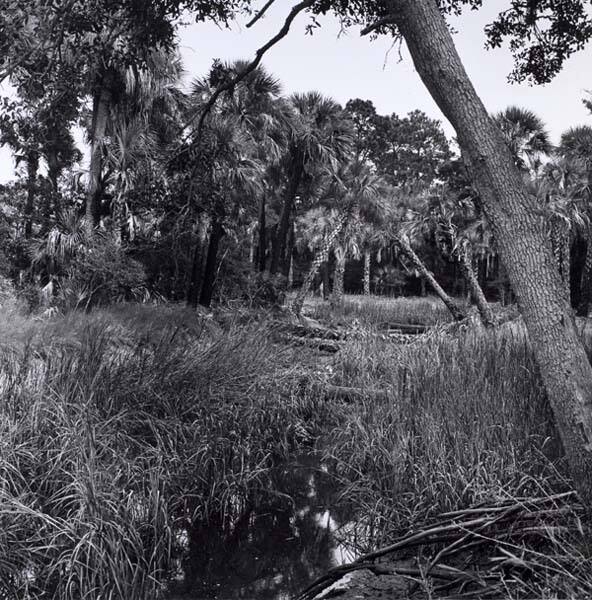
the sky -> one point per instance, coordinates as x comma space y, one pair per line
343, 65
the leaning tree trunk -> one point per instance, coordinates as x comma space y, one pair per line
586, 287
209, 276
367, 265
428, 277
278, 247
518, 228
101, 104
321, 257
476, 291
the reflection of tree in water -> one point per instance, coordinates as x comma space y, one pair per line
275, 549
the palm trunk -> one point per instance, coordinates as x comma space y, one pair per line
325, 282
279, 243
321, 257
428, 277
338, 280
518, 229
101, 104
367, 265
32, 168
476, 291
262, 235
207, 290
52, 202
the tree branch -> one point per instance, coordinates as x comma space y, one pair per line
387, 20
296, 9
260, 14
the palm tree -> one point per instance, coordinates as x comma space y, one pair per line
456, 226
319, 138
148, 94
225, 171
256, 103
576, 148
559, 191
526, 135
357, 189
403, 220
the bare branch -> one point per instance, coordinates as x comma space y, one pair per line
296, 9
260, 13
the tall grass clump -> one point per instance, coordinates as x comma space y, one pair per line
121, 440
382, 310
465, 422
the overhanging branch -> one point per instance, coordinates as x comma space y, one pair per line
296, 10
260, 13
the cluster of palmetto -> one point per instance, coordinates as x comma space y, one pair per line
559, 177
240, 178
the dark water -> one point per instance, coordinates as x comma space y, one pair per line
277, 552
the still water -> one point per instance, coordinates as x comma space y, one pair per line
278, 552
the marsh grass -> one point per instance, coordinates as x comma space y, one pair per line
466, 423
120, 432
378, 310
126, 433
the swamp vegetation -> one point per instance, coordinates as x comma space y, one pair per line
147, 451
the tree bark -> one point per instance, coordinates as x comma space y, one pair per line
209, 276
262, 235
428, 277
279, 243
518, 228
54, 170
32, 168
476, 291
338, 280
367, 265
101, 104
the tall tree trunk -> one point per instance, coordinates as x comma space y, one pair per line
262, 235
32, 168
52, 203
278, 248
101, 104
325, 280
367, 265
338, 279
466, 266
586, 287
428, 277
209, 276
321, 257
518, 228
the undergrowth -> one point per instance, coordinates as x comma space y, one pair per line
127, 431
120, 438
379, 310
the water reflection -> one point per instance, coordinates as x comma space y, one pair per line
276, 552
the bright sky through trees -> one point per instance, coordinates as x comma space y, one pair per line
343, 65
